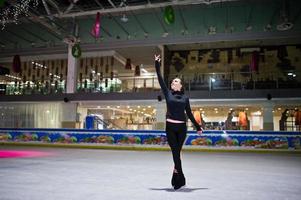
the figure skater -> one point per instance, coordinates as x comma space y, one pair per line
176, 129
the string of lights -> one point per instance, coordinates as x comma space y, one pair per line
14, 11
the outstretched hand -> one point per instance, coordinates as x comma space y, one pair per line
158, 58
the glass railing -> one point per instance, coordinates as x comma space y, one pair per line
242, 81
204, 81
31, 88
120, 84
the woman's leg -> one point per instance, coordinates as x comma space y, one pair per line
172, 141
181, 136
176, 134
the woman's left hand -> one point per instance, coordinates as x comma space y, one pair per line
158, 58
200, 132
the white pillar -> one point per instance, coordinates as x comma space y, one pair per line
160, 116
161, 47
72, 71
268, 123
161, 106
69, 115
82, 112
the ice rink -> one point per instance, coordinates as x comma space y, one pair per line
86, 174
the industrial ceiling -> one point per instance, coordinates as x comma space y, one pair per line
46, 24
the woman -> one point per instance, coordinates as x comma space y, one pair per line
176, 129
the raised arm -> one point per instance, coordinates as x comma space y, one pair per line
159, 75
190, 116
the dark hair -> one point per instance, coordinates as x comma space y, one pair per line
182, 83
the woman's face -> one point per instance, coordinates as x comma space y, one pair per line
176, 84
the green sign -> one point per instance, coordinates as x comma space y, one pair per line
76, 51
169, 15
2, 3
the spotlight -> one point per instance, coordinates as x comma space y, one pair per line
165, 34
268, 27
124, 18
285, 26
249, 28
212, 30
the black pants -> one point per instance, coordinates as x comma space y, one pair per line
176, 134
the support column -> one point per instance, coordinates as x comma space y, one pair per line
161, 105
82, 113
268, 123
70, 116
72, 72
160, 116
161, 47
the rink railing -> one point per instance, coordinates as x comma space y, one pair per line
222, 139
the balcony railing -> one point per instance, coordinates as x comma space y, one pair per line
205, 81
241, 81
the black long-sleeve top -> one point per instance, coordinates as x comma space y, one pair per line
176, 101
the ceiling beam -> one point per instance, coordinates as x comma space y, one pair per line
99, 4
54, 4
117, 22
8, 40
44, 25
183, 21
50, 31
139, 7
37, 20
267, 38
51, 21
19, 36
160, 21
33, 34
275, 13
70, 7
295, 18
60, 55
47, 9
250, 16
140, 24
106, 31
112, 4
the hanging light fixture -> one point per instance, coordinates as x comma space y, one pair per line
107, 66
106, 82
137, 70
254, 61
212, 30
96, 27
101, 70
284, 23
128, 64
124, 18
169, 15
112, 64
17, 64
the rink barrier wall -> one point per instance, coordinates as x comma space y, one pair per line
131, 139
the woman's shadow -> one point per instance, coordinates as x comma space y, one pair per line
184, 189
